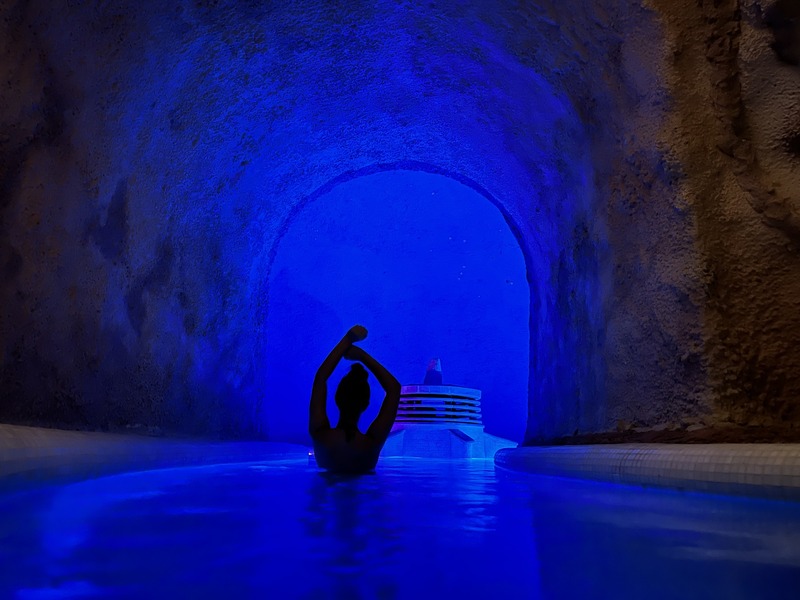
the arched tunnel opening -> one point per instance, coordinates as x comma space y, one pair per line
429, 264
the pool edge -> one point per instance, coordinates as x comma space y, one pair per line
758, 470
33, 456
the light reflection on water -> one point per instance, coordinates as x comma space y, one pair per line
416, 529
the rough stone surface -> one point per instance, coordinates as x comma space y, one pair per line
732, 114
646, 153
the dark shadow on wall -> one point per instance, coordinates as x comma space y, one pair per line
783, 18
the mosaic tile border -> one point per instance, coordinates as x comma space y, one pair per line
764, 470
31, 456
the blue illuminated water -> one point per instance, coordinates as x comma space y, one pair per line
416, 529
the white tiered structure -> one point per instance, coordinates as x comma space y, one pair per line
441, 421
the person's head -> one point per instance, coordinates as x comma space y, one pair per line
352, 395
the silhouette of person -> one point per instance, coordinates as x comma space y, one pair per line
344, 449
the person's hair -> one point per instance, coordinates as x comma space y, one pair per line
352, 395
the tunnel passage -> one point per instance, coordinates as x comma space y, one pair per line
138, 239
429, 265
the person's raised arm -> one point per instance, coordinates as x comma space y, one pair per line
382, 425
317, 413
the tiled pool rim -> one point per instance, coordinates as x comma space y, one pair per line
34, 456
31, 456
761, 470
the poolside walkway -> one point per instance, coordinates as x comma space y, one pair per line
764, 470
30, 456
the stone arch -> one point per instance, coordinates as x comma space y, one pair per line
285, 364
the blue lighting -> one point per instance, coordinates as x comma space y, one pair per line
416, 529
429, 265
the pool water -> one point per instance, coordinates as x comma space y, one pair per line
416, 529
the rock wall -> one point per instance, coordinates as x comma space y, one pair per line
643, 153
736, 113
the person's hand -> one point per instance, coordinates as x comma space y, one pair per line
353, 353
357, 333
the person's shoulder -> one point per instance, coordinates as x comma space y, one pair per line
374, 440
367, 441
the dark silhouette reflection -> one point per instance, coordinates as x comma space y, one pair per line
349, 525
